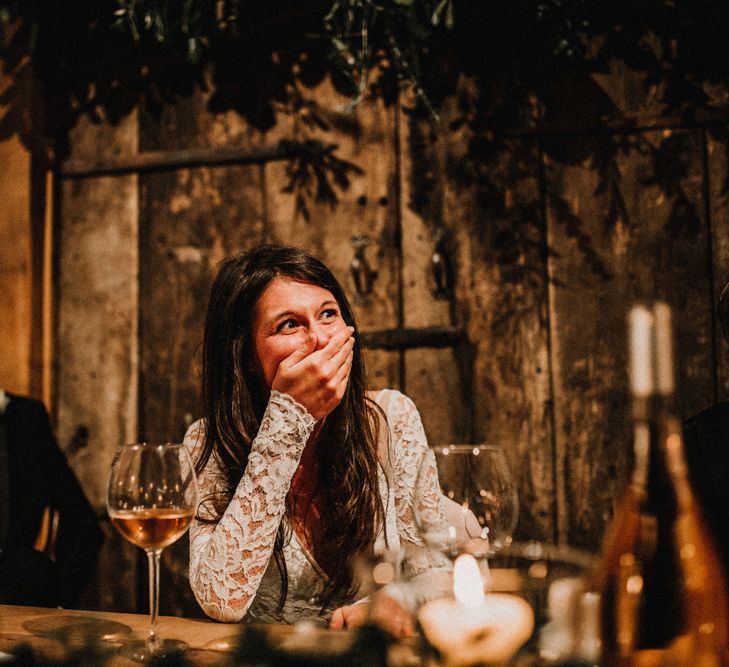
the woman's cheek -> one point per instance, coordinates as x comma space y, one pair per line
286, 346
270, 356
341, 324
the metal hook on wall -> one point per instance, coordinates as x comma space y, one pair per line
441, 267
362, 274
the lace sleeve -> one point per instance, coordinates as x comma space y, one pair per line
228, 558
419, 503
417, 492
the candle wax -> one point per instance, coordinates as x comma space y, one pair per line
487, 634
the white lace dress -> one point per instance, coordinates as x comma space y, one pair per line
232, 572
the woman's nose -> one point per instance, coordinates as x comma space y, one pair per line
322, 335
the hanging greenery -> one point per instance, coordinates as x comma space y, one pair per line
112, 54
533, 65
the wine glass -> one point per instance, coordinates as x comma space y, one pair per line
151, 499
480, 498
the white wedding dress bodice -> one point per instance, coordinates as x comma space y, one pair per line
232, 572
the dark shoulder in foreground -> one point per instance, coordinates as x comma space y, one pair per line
717, 414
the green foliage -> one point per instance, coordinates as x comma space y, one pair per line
112, 54
394, 33
131, 43
534, 64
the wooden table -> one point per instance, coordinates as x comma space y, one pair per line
51, 631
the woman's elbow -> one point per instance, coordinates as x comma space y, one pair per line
223, 614
219, 611
221, 598
221, 608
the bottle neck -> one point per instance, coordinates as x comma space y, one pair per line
675, 458
653, 480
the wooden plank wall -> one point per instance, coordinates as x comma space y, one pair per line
542, 277
15, 268
97, 354
16, 262
645, 259
26, 237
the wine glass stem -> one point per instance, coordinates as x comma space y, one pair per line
153, 562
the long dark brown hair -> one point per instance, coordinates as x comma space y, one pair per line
235, 398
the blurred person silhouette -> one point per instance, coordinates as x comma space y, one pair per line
706, 437
50, 536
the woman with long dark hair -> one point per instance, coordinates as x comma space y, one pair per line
301, 470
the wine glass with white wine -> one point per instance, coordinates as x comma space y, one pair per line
151, 499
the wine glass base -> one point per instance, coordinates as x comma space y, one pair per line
144, 651
225, 644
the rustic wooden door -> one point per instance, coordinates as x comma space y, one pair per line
495, 297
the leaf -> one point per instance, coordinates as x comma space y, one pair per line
435, 17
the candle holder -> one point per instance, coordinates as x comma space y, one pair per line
471, 628
514, 609
511, 581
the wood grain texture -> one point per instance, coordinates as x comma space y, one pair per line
96, 351
193, 218
367, 205
653, 247
21, 270
16, 621
433, 377
494, 386
717, 177
502, 304
97, 354
15, 267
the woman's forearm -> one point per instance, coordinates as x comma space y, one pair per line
229, 558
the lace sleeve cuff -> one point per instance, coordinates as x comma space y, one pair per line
286, 403
286, 426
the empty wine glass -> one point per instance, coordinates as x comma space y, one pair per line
480, 498
151, 499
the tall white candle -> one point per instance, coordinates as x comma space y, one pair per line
641, 346
664, 353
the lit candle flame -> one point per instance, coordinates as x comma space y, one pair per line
467, 582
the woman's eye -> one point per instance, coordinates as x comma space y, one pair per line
287, 325
330, 313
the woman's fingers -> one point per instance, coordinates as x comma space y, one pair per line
337, 622
333, 349
342, 375
338, 376
392, 616
325, 364
298, 355
318, 378
389, 614
302, 352
349, 616
340, 359
337, 341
